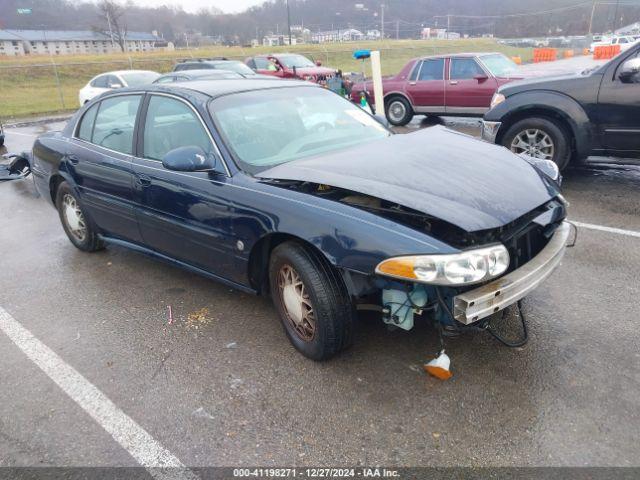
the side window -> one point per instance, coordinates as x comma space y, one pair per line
172, 124
251, 63
167, 79
100, 82
415, 71
432, 69
178, 67
464, 69
112, 80
262, 63
115, 121
86, 124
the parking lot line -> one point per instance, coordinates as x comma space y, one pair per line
602, 228
147, 451
11, 132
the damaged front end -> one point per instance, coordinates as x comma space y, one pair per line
494, 268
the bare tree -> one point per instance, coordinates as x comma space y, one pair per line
111, 14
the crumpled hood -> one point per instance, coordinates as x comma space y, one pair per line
448, 175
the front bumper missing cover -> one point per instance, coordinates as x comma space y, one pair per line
476, 304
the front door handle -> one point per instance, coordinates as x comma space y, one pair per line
143, 181
453, 82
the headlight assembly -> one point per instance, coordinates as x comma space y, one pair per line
548, 167
497, 99
464, 268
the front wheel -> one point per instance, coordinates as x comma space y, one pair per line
399, 111
539, 138
74, 220
312, 301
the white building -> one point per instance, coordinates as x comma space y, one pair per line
278, 40
66, 42
373, 35
347, 35
439, 33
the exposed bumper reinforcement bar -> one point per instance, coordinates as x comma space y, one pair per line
476, 304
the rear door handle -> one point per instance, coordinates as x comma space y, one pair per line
143, 181
453, 82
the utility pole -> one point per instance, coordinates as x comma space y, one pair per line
593, 11
615, 17
448, 25
289, 22
397, 29
382, 22
110, 29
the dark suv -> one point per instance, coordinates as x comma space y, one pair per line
569, 118
220, 63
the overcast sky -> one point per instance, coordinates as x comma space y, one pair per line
227, 6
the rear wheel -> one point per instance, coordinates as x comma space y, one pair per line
540, 138
75, 222
312, 301
399, 111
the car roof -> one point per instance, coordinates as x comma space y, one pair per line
280, 54
225, 87
121, 72
202, 73
462, 54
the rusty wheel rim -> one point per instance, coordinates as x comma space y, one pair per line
296, 303
74, 218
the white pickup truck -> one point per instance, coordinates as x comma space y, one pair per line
625, 42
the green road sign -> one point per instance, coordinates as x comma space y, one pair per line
24, 11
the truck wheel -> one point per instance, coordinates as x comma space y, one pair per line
399, 111
540, 138
76, 225
312, 301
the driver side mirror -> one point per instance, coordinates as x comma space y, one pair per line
188, 159
628, 70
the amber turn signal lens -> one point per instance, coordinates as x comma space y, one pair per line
398, 267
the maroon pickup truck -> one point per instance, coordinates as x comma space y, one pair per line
460, 84
290, 65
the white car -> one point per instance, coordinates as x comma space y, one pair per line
625, 42
112, 80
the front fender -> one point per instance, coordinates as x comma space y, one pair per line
537, 102
349, 238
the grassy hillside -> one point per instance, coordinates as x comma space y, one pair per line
28, 85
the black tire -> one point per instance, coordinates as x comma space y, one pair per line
559, 137
398, 111
333, 312
89, 242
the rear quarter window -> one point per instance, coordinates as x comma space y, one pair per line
85, 129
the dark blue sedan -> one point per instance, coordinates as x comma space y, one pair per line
285, 188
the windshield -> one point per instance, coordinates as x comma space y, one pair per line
297, 61
269, 127
237, 67
135, 79
499, 65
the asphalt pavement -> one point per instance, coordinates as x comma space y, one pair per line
222, 386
